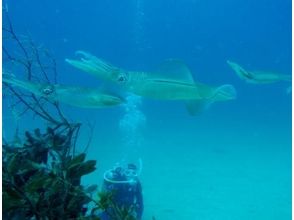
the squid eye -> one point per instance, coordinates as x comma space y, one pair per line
48, 90
122, 78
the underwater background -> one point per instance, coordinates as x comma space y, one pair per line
233, 161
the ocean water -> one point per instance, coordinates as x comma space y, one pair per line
233, 161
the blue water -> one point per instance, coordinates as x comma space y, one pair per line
231, 162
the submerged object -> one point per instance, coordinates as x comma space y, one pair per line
172, 81
258, 77
124, 184
72, 95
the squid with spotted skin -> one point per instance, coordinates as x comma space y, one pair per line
72, 95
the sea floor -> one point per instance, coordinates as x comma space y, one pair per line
217, 185
187, 176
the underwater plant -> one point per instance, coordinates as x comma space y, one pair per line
41, 173
106, 204
42, 180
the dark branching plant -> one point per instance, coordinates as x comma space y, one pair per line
41, 181
35, 63
41, 176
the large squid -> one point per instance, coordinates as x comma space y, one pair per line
71, 95
258, 77
172, 81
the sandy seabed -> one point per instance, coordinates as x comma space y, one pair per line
209, 179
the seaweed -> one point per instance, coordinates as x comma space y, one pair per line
41, 181
41, 173
106, 203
